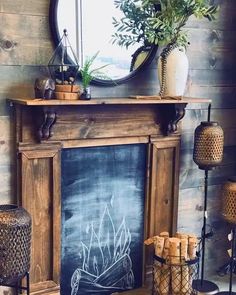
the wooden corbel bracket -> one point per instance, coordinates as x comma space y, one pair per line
171, 115
45, 127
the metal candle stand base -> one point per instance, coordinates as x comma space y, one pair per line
232, 262
202, 286
18, 287
205, 287
225, 269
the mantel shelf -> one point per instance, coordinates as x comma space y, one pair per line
105, 101
50, 113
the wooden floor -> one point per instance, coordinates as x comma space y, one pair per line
140, 291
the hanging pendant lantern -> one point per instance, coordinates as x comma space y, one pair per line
63, 65
208, 145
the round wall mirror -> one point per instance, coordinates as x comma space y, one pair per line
90, 28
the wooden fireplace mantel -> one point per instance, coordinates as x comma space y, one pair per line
45, 127
172, 110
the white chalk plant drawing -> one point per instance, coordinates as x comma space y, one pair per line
107, 265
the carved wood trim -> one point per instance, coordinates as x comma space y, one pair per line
40, 196
105, 141
164, 185
49, 119
162, 205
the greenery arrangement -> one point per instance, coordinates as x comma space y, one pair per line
158, 21
88, 72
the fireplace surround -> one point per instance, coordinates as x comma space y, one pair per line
45, 128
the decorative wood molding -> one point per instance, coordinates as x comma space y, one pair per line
162, 207
169, 111
40, 194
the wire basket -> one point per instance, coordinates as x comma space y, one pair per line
174, 278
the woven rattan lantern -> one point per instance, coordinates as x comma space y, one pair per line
229, 214
229, 200
208, 145
15, 242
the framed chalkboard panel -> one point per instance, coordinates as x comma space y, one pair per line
103, 197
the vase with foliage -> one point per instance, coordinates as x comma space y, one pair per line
161, 22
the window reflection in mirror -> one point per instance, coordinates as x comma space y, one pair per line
90, 29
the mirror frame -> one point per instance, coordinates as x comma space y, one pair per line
53, 21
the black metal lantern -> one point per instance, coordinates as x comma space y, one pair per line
63, 65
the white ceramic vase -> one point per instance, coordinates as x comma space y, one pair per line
177, 67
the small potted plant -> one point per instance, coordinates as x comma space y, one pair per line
88, 73
161, 22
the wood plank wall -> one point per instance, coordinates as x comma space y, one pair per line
26, 46
212, 56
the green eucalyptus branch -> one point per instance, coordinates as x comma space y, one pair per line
158, 21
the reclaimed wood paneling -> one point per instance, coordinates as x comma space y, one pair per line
194, 177
225, 117
5, 130
222, 96
228, 157
30, 44
22, 83
191, 218
225, 17
212, 75
229, 138
211, 49
30, 7
17, 81
7, 180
